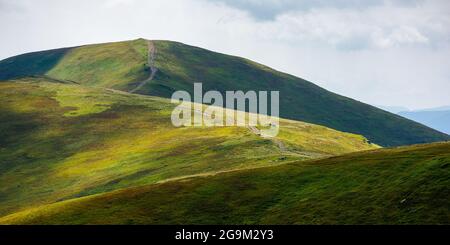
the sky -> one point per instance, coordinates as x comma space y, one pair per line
381, 52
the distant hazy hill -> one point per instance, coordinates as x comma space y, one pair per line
393, 109
408, 185
438, 118
122, 66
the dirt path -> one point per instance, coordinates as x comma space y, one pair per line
255, 131
153, 70
278, 142
214, 173
151, 65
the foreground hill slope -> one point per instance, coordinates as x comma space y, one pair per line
408, 185
60, 140
124, 65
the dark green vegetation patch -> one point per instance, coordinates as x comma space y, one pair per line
30, 64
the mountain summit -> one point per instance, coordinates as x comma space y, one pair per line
161, 67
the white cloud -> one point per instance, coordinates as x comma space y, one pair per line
356, 29
401, 35
117, 3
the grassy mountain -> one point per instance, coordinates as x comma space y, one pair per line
124, 65
76, 146
408, 185
60, 140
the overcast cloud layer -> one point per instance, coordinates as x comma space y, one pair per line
379, 52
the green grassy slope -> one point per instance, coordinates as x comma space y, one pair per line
62, 140
122, 65
408, 185
111, 65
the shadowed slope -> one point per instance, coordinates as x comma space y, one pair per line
30, 64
